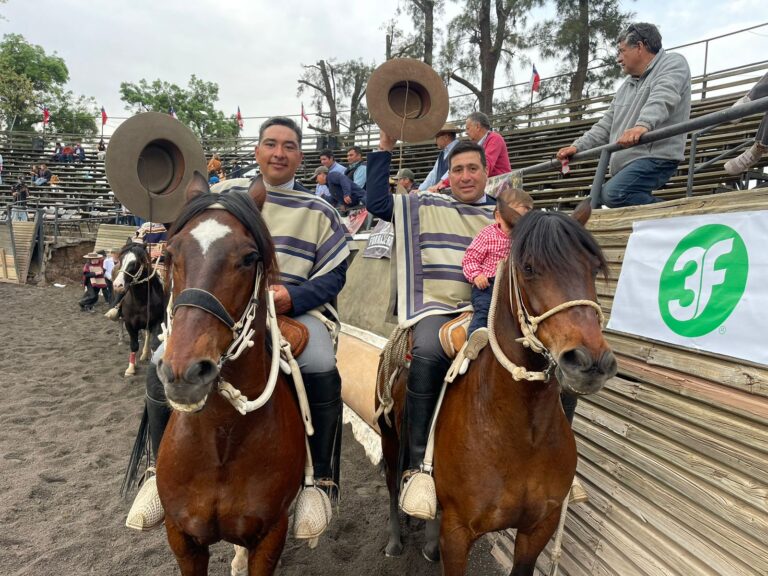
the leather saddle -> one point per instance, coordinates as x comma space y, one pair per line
453, 334
294, 332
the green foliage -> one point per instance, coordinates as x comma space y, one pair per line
418, 41
194, 105
73, 115
16, 95
31, 61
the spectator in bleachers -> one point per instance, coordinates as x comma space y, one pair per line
102, 150
479, 131
753, 154
214, 164
344, 192
406, 179
20, 196
327, 160
67, 154
57, 152
213, 178
357, 170
79, 152
445, 140
43, 175
656, 94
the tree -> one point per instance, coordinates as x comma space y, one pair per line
420, 44
486, 33
73, 115
194, 105
583, 39
341, 88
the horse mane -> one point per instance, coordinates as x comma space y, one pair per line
552, 242
135, 247
242, 207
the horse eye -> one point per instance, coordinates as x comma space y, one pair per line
250, 259
528, 269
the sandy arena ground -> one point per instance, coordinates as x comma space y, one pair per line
68, 423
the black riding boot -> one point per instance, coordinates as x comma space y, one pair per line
569, 402
424, 381
324, 395
158, 411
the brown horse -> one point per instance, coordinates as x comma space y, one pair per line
505, 455
223, 475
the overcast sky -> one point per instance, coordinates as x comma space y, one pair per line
254, 49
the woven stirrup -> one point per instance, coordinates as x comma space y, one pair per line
418, 497
312, 514
146, 512
577, 494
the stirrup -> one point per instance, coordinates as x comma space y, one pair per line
577, 494
418, 496
112, 313
312, 514
146, 512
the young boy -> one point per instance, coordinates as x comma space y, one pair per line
490, 246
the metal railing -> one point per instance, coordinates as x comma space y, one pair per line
604, 152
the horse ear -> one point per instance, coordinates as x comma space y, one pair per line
258, 191
198, 185
583, 212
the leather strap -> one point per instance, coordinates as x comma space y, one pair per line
197, 298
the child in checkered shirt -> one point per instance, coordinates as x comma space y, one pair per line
490, 246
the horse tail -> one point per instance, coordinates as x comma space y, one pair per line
141, 451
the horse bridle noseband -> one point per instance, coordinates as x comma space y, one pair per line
528, 326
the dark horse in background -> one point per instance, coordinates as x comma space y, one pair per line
222, 475
505, 454
143, 306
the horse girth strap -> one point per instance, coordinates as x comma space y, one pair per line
204, 300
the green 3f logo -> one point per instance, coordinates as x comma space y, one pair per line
703, 280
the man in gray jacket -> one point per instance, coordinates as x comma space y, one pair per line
656, 94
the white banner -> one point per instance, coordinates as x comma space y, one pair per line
698, 281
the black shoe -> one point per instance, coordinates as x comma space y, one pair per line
425, 378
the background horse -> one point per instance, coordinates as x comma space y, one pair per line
143, 307
222, 475
505, 455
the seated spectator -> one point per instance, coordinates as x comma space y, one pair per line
67, 154
214, 164
344, 192
102, 150
20, 196
406, 179
43, 175
478, 127
213, 178
57, 152
79, 152
327, 160
357, 170
753, 154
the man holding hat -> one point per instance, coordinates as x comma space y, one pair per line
344, 192
433, 228
445, 140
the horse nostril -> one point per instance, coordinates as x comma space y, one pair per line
577, 360
201, 372
164, 372
608, 364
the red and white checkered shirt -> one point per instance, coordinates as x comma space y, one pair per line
485, 252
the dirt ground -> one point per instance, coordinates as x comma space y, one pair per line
68, 423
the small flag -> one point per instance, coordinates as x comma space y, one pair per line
303, 115
172, 113
239, 118
46, 115
103, 116
535, 80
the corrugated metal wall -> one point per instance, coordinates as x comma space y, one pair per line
674, 451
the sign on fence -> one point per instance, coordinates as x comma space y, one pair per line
699, 282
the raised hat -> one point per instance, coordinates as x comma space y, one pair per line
150, 160
406, 173
319, 170
407, 99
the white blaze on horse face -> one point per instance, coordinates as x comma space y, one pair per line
126, 261
207, 232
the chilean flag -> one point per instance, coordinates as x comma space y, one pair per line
535, 80
46, 115
172, 113
103, 116
239, 118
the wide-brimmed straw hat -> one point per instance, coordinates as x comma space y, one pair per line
407, 99
93, 256
150, 160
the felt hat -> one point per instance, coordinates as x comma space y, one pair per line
93, 256
150, 161
449, 127
407, 99
406, 173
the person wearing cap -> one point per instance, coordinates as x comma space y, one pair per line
327, 159
406, 179
434, 228
445, 140
312, 251
343, 191
478, 128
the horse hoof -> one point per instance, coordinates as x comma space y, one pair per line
393, 549
144, 357
431, 554
131, 371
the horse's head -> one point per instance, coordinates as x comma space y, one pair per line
134, 265
556, 262
221, 259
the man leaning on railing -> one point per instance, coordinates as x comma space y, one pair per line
656, 94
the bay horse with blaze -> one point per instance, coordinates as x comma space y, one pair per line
504, 451
222, 475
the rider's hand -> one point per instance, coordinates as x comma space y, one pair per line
386, 142
347, 200
481, 281
283, 301
566, 152
631, 136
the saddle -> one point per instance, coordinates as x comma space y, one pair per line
294, 332
453, 334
